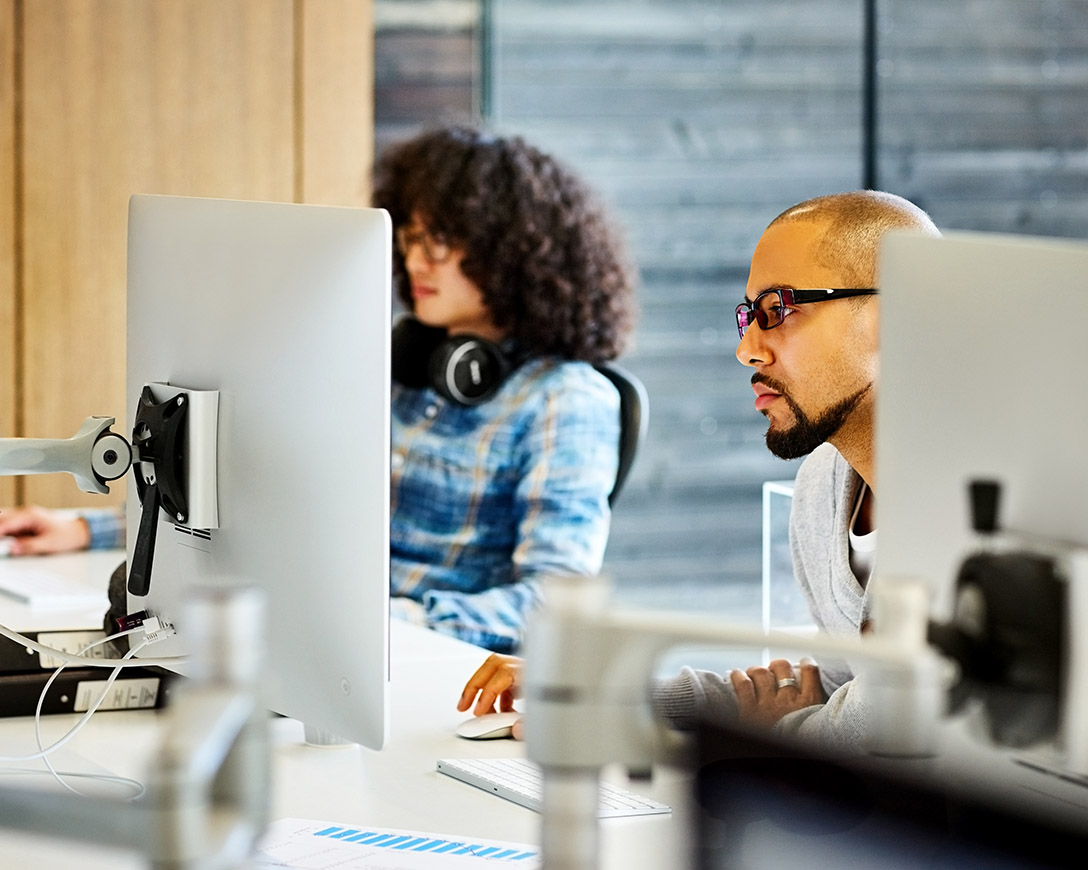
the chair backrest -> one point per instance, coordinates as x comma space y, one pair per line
634, 415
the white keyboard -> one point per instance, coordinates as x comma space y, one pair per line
45, 590
519, 780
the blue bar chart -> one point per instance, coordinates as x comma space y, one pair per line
299, 844
406, 842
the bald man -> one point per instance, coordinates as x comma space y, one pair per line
809, 331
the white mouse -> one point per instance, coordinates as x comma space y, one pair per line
489, 726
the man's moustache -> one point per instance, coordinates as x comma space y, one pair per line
770, 382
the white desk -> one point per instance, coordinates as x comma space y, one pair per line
395, 788
88, 569
399, 787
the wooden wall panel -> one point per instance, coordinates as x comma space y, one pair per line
8, 295
199, 97
336, 142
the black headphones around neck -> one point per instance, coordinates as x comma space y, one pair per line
465, 369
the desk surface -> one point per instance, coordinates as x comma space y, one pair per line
397, 787
91, 569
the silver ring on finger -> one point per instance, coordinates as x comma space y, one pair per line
787, 681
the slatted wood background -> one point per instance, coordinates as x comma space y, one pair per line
700, 121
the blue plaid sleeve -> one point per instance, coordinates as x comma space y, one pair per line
107, 527
562, 514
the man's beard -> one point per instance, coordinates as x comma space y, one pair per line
806, 434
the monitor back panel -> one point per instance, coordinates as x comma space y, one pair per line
984, 352
285, 310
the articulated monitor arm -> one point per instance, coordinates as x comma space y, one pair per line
172, 452
588, 671
94, 456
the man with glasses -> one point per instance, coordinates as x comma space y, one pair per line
809, 331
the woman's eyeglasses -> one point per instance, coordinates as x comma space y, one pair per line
435, 247
771, 307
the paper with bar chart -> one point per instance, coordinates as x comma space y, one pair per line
305, 844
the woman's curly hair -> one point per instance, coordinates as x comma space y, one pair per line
536, 240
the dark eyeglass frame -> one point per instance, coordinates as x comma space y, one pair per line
435, 248
751, 312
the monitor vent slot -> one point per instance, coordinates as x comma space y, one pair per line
203, 534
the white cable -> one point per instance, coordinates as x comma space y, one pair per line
75, 728
23, 640
79, 725
137, 786
43, 753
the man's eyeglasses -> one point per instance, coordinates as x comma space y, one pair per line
771, 307
435, 248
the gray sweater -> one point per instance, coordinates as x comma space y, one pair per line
823, 499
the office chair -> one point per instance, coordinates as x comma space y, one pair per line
634, 415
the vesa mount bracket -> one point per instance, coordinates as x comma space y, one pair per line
174, 438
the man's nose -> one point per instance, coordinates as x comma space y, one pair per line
752, 349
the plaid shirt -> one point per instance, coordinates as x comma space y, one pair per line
107, 527
488, 500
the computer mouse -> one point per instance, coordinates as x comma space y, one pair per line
490, 726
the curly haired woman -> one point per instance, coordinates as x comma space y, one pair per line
504, 434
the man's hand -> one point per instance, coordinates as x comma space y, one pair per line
498, 679
36, 531
765, 695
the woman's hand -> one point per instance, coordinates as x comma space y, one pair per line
36, 531
497, 680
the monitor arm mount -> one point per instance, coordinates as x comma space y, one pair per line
158, 434
207, 800
586, 663
95, 456
1015, 637
160, 451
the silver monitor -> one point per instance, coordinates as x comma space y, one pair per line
983, 358
283, 309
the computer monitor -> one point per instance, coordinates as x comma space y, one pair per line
284, 309
982, 359
983, 355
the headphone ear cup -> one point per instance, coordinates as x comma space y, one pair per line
468, 370
412, 344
